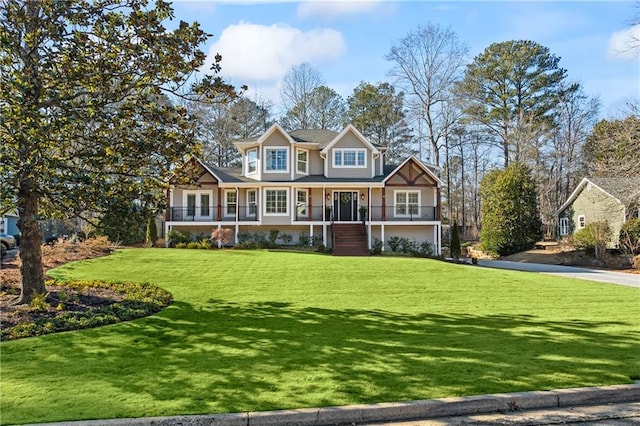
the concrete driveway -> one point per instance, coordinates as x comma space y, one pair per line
630, 280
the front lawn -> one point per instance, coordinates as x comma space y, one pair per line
257, 330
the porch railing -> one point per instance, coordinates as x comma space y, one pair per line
302, 213
215, 214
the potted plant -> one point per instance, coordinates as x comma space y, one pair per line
363, 213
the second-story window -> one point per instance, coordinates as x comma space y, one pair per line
303, 161
276, 159
252, 161
349, 158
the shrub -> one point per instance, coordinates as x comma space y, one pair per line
394, 243
273, 235
286, 238
636, 262
629, 238
176, 237
407, 246
593, 238
222, 236
376, 250
510, 217
193, 245
316, 240
303, 240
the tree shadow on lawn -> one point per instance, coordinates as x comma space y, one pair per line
228, 357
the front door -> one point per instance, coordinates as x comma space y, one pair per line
345, 204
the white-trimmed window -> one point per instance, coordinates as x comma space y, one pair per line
349, 157
564, 226
301, 202
252, 203
276, 159
230, 202
302, 161
275, 202
198, 204
407, 203
252, 161
582, 221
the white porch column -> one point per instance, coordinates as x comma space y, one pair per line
167, 228
219, 242
369, 214
382, 235
324, 219
235, 238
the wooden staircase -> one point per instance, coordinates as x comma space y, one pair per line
350, 239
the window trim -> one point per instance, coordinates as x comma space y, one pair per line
306, 161
286, 201
406, 204
582, 221
563, 226
226, 204
342, 152
297, 202
286, 160
255, 161
197, 194
254, 204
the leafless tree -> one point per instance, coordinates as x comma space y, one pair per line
428, 62
298, 86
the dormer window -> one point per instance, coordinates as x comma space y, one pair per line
349, 158
276, 159
252, 161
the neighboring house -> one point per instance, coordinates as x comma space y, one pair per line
611, 200
9, 224
310, 183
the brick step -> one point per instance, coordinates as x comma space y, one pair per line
350, 240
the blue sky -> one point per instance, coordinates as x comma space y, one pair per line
347, 40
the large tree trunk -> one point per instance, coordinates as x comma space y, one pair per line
30, 247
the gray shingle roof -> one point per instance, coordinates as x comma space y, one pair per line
624, 189
320, 136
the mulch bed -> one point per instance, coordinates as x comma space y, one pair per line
58, 299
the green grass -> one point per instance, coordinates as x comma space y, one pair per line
256, 330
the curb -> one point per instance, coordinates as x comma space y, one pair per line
393, 411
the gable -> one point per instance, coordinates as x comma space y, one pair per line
412, 173
276, 139
350, 137
595, 193
192, 172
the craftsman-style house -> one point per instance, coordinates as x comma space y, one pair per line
313, 185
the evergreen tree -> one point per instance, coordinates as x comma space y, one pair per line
455, 241
86, 120
378, 112
510, 217
152, 232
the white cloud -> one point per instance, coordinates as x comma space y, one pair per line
337, 8
259, 53
625, 44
